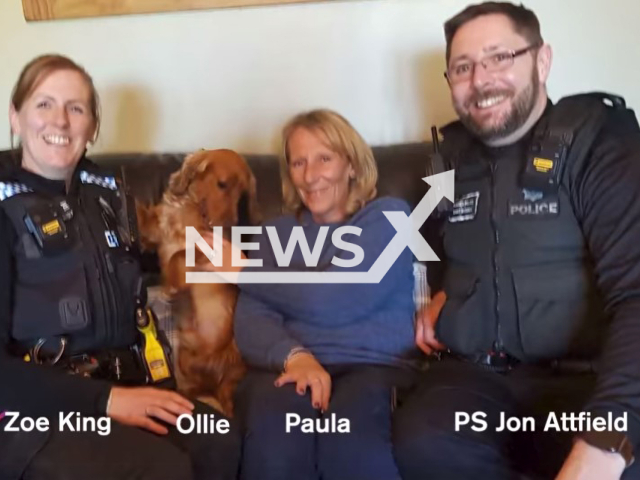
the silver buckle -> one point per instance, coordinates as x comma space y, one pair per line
38, 346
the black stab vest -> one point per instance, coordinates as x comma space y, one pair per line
83, 286
519, 277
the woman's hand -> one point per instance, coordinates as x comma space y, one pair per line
304, 370
138, 406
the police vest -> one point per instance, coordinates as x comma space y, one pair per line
77, 277
518, 276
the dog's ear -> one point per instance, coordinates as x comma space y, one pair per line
248, 211
179, 181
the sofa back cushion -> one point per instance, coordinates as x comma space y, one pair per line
400, 167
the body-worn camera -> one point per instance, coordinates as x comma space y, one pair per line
48, 225
545, 161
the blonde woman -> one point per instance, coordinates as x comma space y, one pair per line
325, 358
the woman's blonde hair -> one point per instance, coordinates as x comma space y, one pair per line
342, 139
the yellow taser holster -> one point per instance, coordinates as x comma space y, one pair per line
154, 355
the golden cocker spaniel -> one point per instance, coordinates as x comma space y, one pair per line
213, 188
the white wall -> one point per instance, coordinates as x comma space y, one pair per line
230, 78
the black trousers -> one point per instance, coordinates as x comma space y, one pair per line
361, 394
427, 445
132, 453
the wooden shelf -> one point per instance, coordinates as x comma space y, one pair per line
35, 10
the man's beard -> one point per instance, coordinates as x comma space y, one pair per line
520, 112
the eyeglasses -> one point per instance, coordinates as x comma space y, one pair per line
497, 62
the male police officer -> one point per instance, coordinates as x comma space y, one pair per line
538, 312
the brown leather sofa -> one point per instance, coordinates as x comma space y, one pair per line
401, 169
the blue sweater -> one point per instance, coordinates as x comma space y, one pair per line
339, 323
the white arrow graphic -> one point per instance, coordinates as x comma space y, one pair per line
407, 235
442, 185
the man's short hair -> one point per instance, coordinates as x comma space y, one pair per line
524, 21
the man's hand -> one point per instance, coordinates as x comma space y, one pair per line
304, 370
138, 406
590, 463
426, 324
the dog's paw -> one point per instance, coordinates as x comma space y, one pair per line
170, 292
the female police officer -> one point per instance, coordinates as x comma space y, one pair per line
68, 283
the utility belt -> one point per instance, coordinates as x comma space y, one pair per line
502, 362
148, 362
121, 366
